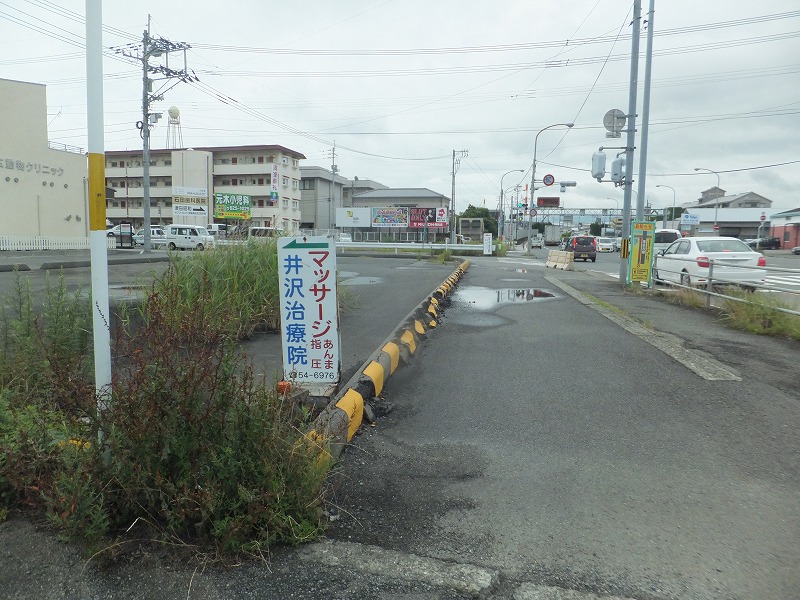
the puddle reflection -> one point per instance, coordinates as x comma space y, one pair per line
485, 298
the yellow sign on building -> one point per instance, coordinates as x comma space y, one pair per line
641, 259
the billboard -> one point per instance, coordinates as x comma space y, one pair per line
390, 217
548, 202
353, 217
427, 217
232, 206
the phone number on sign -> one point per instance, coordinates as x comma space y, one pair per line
326, 375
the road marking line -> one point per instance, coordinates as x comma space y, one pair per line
707, 368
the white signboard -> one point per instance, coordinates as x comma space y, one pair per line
687, 219
487, 243
309, 312
353, 217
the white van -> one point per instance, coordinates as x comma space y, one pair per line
663, 238
217, 229
189, 237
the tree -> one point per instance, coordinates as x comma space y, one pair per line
489, 222
595, 229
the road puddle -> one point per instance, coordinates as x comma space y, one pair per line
478, 298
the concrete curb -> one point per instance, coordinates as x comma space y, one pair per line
340, 419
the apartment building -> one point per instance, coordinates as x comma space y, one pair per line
186, 184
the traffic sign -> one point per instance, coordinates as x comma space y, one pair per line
533, 212
548, 179
763, 216
716, 227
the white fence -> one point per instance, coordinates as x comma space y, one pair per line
40, 242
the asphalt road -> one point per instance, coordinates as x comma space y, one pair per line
539, 440
538, 446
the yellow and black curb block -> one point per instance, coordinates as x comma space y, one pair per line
339, 421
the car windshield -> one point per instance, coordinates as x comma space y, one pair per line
722, 246
604, 241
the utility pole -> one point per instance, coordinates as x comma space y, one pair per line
331, 206
153, 47
457, 156
630, 140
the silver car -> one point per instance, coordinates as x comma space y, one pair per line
729, 261
157, 237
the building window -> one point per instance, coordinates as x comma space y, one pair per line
234, 182
285, 203
168, 162
234, 160
306, 184
260, 204
294, 184
261, 160
295, 204
224, 161
285, 160
260, 181
225, 182
295, 163
122, 203
285, 181
113, 163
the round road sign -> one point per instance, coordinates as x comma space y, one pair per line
763, 216
533, 212
548, 179
716, 227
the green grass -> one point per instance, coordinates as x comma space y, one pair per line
188, 447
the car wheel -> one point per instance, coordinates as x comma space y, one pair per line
172, 246
686, 279
200, 247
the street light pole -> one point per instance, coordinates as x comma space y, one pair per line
673, 203
716, 200
502, 230
533, 175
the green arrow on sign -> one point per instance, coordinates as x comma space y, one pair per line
296, 244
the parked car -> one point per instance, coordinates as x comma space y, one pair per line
768, 243
688, 262
606, 244
157, 237
796, 250
344, 237
217, 229
118, 230
583, 246
187, 237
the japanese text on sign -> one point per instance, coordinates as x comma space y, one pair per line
309, 310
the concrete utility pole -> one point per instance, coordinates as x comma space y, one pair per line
97, 202
331, 206
153, 47
648, 66
457, 156
501, 227
631, 139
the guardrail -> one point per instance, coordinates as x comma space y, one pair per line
397, 246
779, 280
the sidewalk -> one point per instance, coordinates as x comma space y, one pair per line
32, 260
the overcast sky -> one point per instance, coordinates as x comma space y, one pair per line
399, 84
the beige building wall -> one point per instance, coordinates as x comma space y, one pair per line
42, 190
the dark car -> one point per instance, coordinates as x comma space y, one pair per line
770, 243
583, 247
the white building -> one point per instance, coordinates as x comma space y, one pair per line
268, 175
42, 189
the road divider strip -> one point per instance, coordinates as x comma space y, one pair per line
340, 419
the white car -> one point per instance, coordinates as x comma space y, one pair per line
730, 261
605, 244
157, 237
